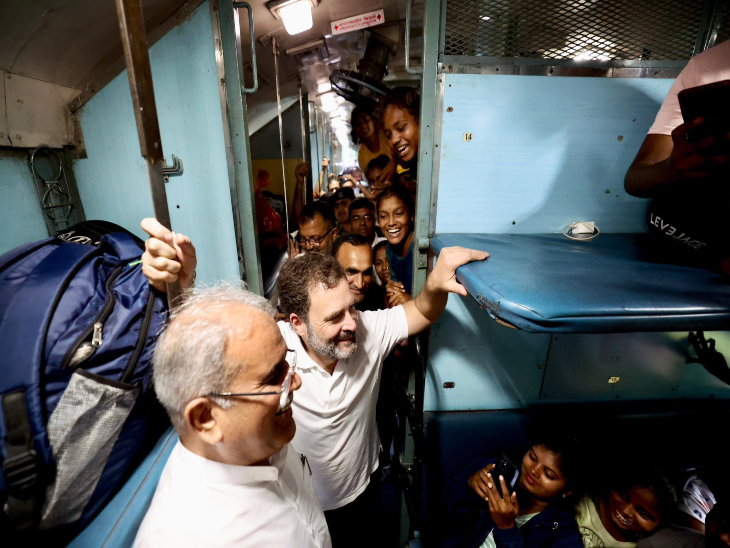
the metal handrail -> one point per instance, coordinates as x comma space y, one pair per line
409, 70
237, 5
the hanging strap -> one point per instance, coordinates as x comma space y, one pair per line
22, 339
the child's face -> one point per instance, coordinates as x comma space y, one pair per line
375, 179
394, 220
364, 127
382, 268
402, 131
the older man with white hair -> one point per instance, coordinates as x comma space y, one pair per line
226, 378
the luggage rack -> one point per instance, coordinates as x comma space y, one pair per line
546, 283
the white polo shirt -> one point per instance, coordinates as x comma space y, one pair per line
200, 502
335, 414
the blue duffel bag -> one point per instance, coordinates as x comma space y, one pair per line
78, 323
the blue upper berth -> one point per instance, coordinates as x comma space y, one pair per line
610, 284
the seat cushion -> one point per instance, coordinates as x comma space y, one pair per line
613, 283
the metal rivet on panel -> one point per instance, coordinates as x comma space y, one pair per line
449, 109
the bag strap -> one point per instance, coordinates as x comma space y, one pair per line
27, 319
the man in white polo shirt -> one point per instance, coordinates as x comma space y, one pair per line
225, 376
340, 354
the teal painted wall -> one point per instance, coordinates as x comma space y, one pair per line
265, 142
22, 217
545, 152
112, 181
495, 367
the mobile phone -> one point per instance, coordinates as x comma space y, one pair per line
712, 102
709, 101
507, 470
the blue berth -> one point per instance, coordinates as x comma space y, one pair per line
610, 284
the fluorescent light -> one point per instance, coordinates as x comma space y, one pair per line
329, 102
297, 17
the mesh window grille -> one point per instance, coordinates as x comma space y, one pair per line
626, 30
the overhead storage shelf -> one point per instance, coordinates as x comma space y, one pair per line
547, 283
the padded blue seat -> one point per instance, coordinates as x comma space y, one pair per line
117, 524
610, 284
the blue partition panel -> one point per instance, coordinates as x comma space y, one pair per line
490, 366
22, 216
544, 152
113, 180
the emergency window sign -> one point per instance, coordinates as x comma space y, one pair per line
358, 22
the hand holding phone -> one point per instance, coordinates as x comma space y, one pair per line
706, 113
507, 470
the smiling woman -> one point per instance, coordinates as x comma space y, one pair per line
534, 507
637, 502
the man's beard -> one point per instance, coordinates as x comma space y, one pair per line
329, 348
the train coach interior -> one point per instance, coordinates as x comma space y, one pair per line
531, 114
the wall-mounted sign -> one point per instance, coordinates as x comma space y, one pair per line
358, 22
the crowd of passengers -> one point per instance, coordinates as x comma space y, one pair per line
257, 465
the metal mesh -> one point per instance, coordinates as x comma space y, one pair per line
626, 30
82, 431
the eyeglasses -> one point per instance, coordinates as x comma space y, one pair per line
316, 242
291, 359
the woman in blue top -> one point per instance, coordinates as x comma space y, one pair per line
536, 512
395, 218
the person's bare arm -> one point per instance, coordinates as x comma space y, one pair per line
665, 159
298, 203
320, 181
425, 309
389, 170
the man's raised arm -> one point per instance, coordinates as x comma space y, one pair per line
431, 301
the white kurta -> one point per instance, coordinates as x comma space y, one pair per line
199, 502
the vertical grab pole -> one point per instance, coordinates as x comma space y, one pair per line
136, 57
281, 132
254, 68
409, 70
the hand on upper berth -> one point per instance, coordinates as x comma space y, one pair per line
164, 259
443, 276
431, 301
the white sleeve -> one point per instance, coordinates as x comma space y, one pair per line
670, 115
386, 327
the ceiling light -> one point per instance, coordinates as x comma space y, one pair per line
295, 14
486, 18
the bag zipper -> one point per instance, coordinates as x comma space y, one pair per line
144, 329
96, 327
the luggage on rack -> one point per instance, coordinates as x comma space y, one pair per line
78, 324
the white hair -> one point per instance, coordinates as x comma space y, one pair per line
190, 357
